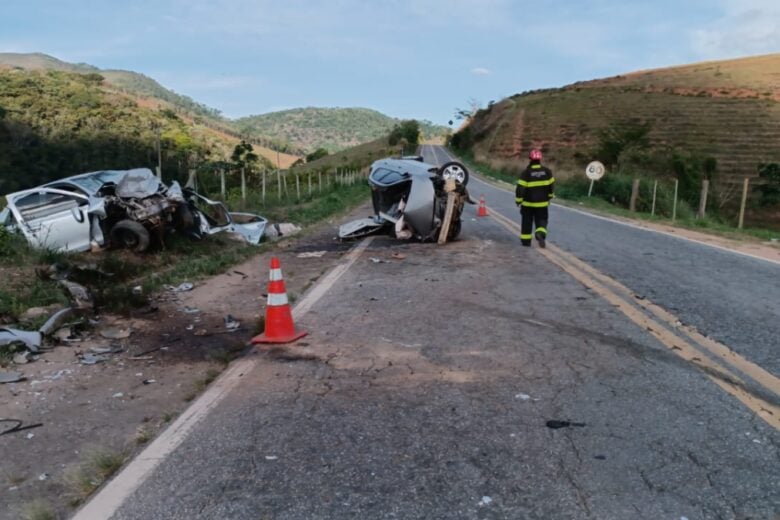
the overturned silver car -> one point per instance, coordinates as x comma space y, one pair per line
410, 199
118, 208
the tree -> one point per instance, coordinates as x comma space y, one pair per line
770, 190
408, 130
243, 156
319, 153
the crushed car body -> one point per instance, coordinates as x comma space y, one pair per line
410, 199
118, 208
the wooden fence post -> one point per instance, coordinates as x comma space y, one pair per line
705, 188
222, 187
743, 203
655, 191
319, 181
243, 185
263, 186
298, 186
674, 204
279, 184
309, 180
634, 195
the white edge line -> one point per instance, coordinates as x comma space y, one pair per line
650, 230
111, 497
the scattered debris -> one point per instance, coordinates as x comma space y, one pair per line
149, 381
57, 320
271, 457
43, 476
118, 395
64, 335
22, 358
11, 377
377, 260
190, 310
183, 287
398, 256
30, 436
138, 289
312, 254
281, 230
525, 397
241, 274
201, 332
92, 359
115, 333
600, 457
18, 426
486, 501
80, 295
231, 323
554, 424
111, 349
31, 340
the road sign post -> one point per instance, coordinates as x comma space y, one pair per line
594, 171
743, 202
674, 204
655, 191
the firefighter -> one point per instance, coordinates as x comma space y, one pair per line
533, 195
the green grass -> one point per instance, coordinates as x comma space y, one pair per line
82, 480
38, 510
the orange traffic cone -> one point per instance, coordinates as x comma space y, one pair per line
279, 326
482, 212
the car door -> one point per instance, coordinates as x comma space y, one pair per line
52, 219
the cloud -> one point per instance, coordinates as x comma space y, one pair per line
481, 71
745, 27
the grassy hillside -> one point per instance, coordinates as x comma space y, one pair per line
330, 128
54, 124
727, 110
132, 83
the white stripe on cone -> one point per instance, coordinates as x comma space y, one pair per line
276, 275
277, 300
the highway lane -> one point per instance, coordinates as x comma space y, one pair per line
425, 388
730, 297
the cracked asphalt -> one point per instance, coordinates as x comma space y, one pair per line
424, 389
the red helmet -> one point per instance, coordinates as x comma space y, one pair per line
535, 155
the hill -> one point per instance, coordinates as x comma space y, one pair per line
133, 83
727, 110
54, 124
334, 129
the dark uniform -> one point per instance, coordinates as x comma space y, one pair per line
533, 194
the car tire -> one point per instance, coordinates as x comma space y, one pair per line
131, 235
454, 169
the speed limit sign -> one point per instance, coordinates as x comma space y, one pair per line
595, 171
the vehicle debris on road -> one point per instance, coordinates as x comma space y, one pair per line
11, 377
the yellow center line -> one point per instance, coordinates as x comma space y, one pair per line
719, 372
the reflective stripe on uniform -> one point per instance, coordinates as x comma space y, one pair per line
526, 237
542, 230
276, 275
535, 204
535, 184
276, 300
536, 166
518, 201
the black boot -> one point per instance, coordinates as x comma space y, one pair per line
540, 237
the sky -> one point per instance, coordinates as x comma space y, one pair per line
407, 58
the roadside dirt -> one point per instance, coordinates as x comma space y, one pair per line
178, 344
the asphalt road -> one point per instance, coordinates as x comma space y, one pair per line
730, 297
425, 390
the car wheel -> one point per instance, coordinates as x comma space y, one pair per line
131, 235
454, 170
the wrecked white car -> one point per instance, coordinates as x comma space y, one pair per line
118, 208
410, 199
